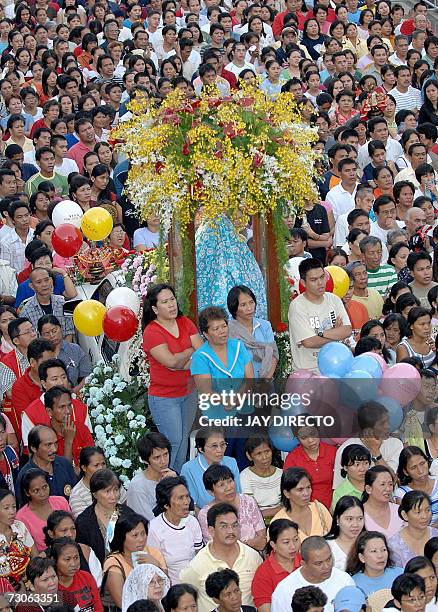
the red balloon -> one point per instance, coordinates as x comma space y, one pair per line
328, 284
67, 240
120, 323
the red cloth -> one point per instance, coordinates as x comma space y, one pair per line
85, 590
320, 470
35, 126
165, 382
11, 361
24, 392
24, 274
407, 27
266, 578
278, 22
38, 415
77, 153
331, 15
230, 77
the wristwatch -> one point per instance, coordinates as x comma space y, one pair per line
376, 458
321, 334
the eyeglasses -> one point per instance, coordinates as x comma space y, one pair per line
221, 446
28, 331
156, 582
415, 600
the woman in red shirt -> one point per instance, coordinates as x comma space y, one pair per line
284, 548
169, 341
65, 553
318, 459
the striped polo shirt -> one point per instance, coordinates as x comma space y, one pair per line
382, 279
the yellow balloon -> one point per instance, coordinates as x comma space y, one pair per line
97, 223
341, 281
88, 317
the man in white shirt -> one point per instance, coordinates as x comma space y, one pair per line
378, 130
63, 165
315, 317
406, 96
401, 45
238, 63
364, 200
316, 570
373, 422
385, 211
416, 155
342, 196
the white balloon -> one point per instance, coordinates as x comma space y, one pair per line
123, 296
67, 211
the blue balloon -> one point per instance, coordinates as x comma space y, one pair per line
366, 363
358, 387
283, 439
394, 409
334, 358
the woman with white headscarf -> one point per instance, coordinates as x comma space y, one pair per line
145, 582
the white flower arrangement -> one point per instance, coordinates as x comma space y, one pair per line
119, 415
282, 338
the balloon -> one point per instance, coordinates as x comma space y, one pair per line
379, 359
402, 382
120, 323
334, 358
67, 211
395, 411
97, 223
357, 388
340, 279
88, 317
366, 363
328, 283
337, 440
124, 296
67, 239
283, 439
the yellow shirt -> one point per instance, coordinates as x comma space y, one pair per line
373, 303
109, 563
321, 520
27, 147
204, 564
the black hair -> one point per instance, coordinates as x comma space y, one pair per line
255, 441
204, 433
163, 492
371, 476
174, 594
48, 319
209, 314
276, 528
58, 546
367, 345
289, 480
103, 479
37, 566
311, 263
343, 504
147, 443
219, 510
50, 363
126, 523
354, 564
150, 301
405, 455
27, 478
218, 581
216, 473
53, 394
37, 347
352, 453
308, 597
54, 519
233, 298
404, 300
430, 548
412, 499
418, 563
414, 258
405, 584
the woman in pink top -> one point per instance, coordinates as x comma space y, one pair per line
380, 513
40, 504
219, 482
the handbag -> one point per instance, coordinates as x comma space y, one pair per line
107, 601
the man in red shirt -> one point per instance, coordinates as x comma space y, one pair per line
87, 141
52, 373
72, 437
292, 6
318, 459
27, 387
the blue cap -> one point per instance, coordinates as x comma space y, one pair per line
350, 598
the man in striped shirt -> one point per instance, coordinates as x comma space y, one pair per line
380, 276
406, 97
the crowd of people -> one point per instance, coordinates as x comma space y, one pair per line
229, 525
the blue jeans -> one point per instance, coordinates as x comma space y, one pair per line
173, 417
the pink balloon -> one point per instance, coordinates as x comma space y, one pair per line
337, 440
402, 382
326, 390
380, 359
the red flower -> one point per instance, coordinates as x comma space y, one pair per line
214, 102
257, 160
158, 167
230, 130
186, 148
195, 104
246, 101
196, 190
281, 327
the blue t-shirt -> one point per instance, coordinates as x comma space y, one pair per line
24, 291
205, 361
370, 585
193, 471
